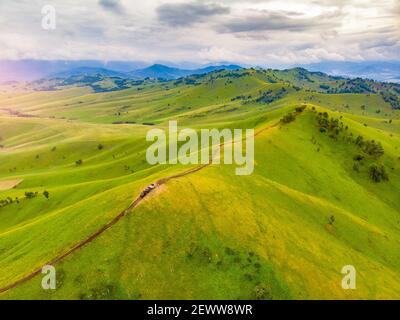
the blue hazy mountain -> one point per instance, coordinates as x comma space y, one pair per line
156, 71
29, 70
160, 71
88, 71
377, 70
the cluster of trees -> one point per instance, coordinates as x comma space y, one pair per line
124, 122
233, 74
391, 98
287, 118
242, 97
31, 195
357, 85
291, 116
220, 74
187, 81
270, 79
301, 108
369, 148
390, 92
7, 201
331, 125
28, 195
270, 96
378, 173
303, 75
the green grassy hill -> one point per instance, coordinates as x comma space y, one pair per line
284, 232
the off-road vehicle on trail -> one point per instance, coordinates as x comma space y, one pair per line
148, 189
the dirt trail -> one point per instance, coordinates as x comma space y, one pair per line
116, 219
9, 184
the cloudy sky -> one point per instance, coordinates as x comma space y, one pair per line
253, 32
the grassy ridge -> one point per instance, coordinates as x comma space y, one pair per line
210, 235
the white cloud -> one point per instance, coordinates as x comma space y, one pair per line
261, 32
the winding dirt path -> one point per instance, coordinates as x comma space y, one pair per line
122, 214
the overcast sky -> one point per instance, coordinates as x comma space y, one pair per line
254, 32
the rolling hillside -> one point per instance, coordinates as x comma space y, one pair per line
324, 192
159, 71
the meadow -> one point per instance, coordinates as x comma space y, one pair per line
320, 197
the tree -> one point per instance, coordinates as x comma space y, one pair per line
30, 195
46, 194
331, 220
378, 173
288, 118
359, 141
374, 149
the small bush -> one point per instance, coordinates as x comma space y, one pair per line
261, 293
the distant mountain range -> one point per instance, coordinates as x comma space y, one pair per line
168, 73
88, 71
29, 70
156, 71
388, 71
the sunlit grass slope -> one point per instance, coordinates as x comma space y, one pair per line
216, 97
211, 234
217, 235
